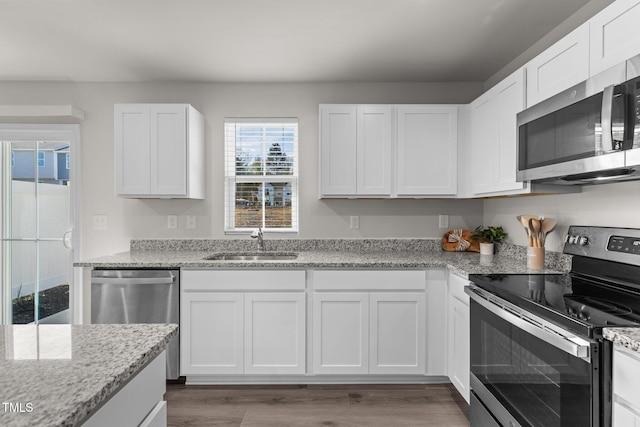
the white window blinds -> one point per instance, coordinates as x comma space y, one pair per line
261, 174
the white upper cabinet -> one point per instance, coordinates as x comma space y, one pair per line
355, 150
374, 150
493, 138
388, 151
561, 66
483, 120
427, 150
338, 148
614, 35
159, 151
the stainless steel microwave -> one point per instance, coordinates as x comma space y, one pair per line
588, 134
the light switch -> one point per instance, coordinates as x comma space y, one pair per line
355, 222
191, 222
172, 221
443, 221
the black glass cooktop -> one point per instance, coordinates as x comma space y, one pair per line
579, 304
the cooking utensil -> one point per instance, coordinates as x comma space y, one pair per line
524, 220
534, 226
547, 226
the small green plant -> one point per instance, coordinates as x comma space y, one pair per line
489, 234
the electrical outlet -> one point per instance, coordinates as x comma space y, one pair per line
172, 221
100, 222
355, 222
191, 222
443, 221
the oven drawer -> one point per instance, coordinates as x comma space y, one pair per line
479, 415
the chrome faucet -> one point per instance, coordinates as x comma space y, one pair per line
257, 234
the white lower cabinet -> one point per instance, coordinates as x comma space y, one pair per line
211, 333
368, 333
242, 322
274, 340
251, 325
139, 402
459, 335
340, 333
626, 391
397, 332
359, 327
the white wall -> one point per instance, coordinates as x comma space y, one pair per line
607, 205
131, 218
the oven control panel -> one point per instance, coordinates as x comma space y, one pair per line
629, 245
610, 243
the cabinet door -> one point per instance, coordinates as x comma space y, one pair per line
427, 150
132, 149
458, 348
459, 335
340, 333
624, 417
510, 101
613, 35
374, 150
274, 340
168, 156
338, 150
397, 333
211, 332
626, 369
493, 138
561, 66
483, 139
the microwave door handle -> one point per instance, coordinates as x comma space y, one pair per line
605, 119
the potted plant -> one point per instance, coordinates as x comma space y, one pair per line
487, 236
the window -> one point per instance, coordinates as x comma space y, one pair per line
40, 159
261, 174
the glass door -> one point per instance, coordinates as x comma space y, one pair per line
36, 231
537, 383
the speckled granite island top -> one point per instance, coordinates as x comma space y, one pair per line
626, 337
329, 253
56, 375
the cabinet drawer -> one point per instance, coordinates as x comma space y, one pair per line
456, 287
384, 280
242, 280
626, 369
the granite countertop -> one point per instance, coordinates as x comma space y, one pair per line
626, 337
371, 253
56, 375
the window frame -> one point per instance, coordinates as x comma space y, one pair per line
232, 178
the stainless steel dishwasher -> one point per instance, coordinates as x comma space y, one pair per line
138, 296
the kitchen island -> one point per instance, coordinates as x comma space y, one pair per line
63, 375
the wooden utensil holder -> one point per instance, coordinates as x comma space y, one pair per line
535, 258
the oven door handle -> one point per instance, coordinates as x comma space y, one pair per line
575, 346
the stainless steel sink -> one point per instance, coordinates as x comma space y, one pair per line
275, 256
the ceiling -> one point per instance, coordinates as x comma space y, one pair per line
270, 40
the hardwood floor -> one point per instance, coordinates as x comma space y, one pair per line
315, 405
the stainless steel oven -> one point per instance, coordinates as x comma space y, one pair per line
538, 357
528, 371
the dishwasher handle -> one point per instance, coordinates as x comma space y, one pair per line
132, 281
